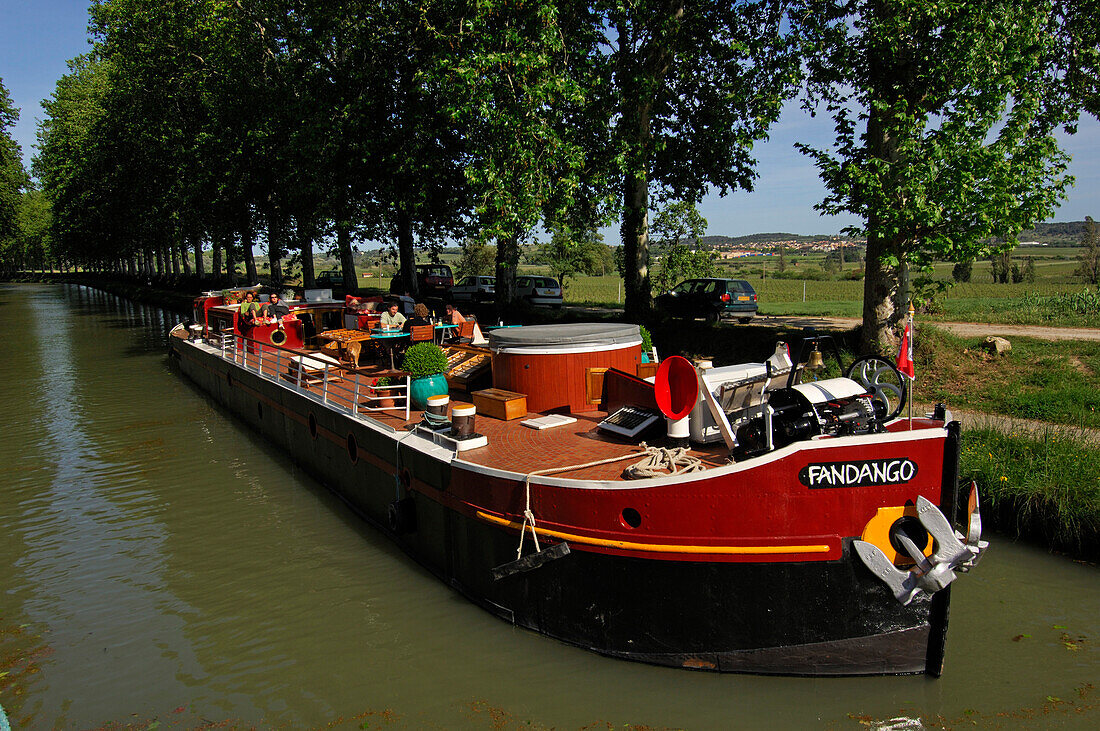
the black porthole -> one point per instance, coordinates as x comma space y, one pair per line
313, 426
631, 517
353, 448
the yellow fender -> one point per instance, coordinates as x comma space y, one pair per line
877, 533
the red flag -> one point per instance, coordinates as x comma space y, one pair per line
905, 353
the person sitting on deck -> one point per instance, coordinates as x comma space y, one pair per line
420, 317
250, 309
391, 318
454, 317
276, 307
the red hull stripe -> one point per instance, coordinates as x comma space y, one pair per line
656, 547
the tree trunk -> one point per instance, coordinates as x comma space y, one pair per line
184, 259
880, 295
635, 234
275, 248
343, 247
507, 264
230, 257
406, 253
304, 235
882, 283
216, 260
200, 263
247, 239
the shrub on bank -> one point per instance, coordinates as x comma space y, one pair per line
1044, 485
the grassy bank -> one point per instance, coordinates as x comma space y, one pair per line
1053, 381
1058, 303
1043, 486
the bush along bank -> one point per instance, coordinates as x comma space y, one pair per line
1041, 486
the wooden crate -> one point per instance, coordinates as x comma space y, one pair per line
500, 404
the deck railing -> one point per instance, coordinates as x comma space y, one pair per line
315, 375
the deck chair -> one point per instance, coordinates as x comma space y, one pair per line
465, 332
421, 333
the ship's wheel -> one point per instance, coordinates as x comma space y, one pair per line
883, 381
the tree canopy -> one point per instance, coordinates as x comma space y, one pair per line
208, 128
945, 116
13, 178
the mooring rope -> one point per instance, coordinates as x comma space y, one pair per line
656, 458
661, 461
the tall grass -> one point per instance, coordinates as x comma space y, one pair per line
1044, 484
1066, 305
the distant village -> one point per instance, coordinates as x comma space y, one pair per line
770, 244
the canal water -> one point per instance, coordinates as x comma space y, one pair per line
163, 566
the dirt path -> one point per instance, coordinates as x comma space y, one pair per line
1012, 425
967, 329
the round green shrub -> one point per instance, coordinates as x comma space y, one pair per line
424, 359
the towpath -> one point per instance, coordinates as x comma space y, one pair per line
966, 329
1013, 425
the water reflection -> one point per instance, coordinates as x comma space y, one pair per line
178, 568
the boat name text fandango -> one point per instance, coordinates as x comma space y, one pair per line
858, 474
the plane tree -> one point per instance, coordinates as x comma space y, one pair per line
685, 90
944, 116
13, 178
502, 73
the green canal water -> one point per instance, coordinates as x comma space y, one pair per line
162, 566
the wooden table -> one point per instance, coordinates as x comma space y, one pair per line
388, 340
441, 330
343, 338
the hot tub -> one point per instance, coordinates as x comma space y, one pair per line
550, 363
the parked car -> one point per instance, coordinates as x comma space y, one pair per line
474, 289
710, 298
432, 280
539, 291
331, 279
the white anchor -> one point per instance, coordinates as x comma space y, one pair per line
953, 552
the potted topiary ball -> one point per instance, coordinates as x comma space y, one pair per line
647, 343
426, 363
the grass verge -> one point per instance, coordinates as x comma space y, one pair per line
1053, 381
1044, 485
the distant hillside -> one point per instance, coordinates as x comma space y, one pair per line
1066, 234
768, 238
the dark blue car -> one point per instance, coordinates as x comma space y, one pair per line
711, 299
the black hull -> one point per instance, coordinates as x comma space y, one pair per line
772, 618
792, 618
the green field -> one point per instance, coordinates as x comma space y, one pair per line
979, 300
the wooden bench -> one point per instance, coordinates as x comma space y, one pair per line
310, 369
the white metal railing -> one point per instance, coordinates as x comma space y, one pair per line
306, 370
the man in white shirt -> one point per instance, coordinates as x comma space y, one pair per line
391, 318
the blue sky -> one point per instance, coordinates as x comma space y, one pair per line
38, 37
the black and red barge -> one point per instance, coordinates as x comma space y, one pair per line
767, 523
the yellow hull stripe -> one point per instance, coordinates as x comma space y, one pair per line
655, 547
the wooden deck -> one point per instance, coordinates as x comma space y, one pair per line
512, 446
